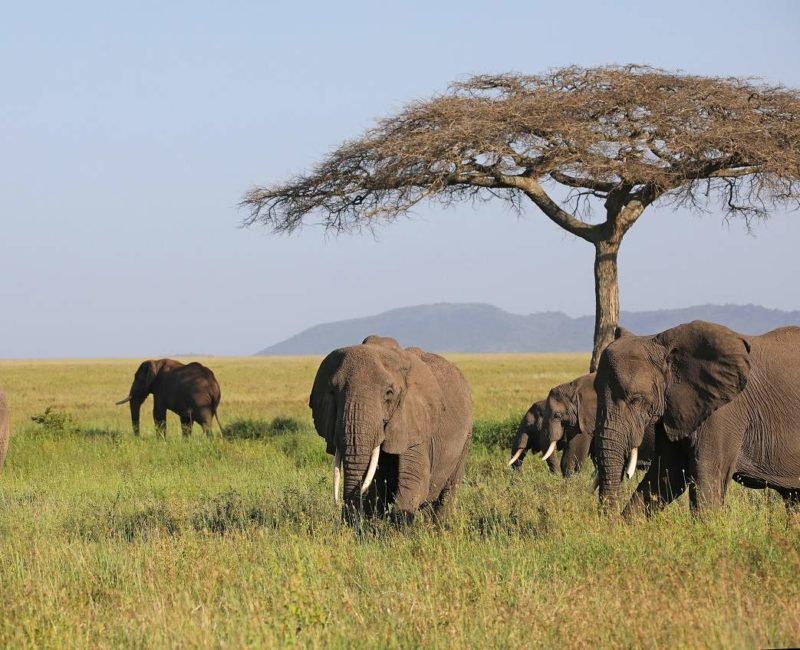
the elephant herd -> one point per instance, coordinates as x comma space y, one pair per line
699, 405
696, 406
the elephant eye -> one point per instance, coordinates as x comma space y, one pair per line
389, 394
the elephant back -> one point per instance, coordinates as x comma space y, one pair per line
455, 388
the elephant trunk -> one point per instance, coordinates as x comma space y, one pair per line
569, 462
611, 458
555, 430
518, 449
362, 433
136, 405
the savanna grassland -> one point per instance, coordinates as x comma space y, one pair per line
108, 540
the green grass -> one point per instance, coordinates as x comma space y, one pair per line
107, 540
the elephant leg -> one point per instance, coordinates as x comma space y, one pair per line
576, 451
160, 417
382, 491
206, 419
443, 506
553, 464
665, 480
413, 481
186, 424
713, 462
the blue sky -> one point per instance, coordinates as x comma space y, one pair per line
129, 134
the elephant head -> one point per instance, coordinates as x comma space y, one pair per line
144, 382
371, 400
529, 436
673, 380
569, 419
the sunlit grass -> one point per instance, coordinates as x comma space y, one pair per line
108, 540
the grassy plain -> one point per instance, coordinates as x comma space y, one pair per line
107, 540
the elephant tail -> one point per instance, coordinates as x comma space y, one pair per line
219, 424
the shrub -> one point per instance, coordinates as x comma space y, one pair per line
56, 422
494, 433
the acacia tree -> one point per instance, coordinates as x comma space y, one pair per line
614, 138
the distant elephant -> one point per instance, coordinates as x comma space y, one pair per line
569, 417
399, 421
531, 437
190, 390
3, 427
725, 406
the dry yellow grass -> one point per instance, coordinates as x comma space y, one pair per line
114, 541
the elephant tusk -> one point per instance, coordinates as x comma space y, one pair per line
516, 456
550, 450
373, 465
631, 469
337, 471
123, 401
595, 481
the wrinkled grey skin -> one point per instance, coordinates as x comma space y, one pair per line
417, 406
530, 437
190, 390
725, 406
569, 419
4, 430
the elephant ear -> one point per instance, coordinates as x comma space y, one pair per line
147, 373
419, 411
567, 394
707, 365
586, 399
323, 401
537, 410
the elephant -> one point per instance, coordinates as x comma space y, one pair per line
190, 390
725, 406
3, 427
569, 418
530, 437
399, 422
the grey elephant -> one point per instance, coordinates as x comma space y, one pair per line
398, 422
569, 416
190, 390
530, 437
4, 429
725, 406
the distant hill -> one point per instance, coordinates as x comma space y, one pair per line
466, 327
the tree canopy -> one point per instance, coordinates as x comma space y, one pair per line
620, 137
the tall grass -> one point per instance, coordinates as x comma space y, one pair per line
107, 540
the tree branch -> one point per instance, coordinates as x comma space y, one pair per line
587, 183
732, 172
535, 192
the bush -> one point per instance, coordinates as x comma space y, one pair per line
493, 433
56, 422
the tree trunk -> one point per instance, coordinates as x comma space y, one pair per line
606, 294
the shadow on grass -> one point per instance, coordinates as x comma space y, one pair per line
222, 514
232, 512
498, 523
255, 429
